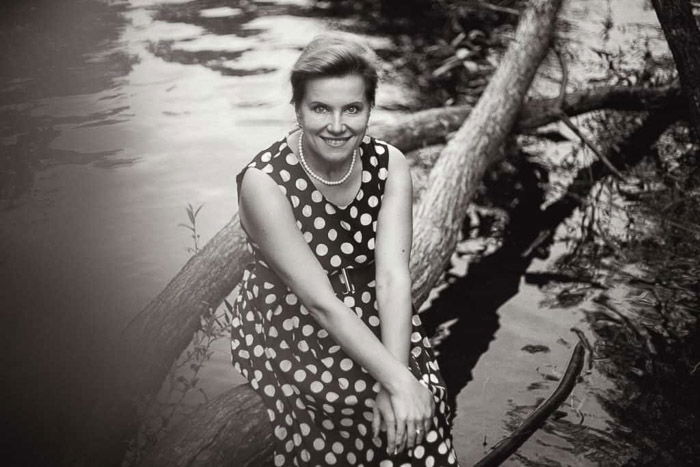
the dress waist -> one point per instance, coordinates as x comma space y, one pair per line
343, 280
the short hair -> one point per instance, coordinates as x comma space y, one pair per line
334, 55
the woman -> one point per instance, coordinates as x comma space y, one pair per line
323, 327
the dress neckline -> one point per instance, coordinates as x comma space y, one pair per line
311, 183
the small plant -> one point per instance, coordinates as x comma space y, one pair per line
192, 226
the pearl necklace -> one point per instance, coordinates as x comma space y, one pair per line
314, 174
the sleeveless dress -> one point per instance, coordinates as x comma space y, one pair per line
318, 399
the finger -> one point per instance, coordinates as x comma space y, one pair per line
400, 434
390, 434
376, 421
411, 434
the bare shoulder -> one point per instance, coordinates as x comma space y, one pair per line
260, 196
398, 164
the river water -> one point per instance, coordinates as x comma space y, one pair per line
115, 115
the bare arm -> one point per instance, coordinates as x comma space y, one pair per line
268, 219
393, 249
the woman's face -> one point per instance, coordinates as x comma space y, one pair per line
333, 114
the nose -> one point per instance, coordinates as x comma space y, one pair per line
336, 126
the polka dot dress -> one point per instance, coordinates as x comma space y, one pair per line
318, 399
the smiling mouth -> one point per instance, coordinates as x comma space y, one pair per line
336, 142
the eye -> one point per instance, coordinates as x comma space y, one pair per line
353, 109
318, 108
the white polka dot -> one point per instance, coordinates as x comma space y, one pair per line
432, 436
378, 149
359, 444
352, 458
308, 236
305, 455
291, 299
346, 364
279, 460
268, 169
332, 396
305, 428
332, 234
349, 301
295, 200
319, 223
358, 236
373, 321
329, 208
345, 225
316, 386
366, 176
370, 243
307, 330
365, 219
291, 159
280, 432
361, 258
335, 261
316, 196
301, 184
429, 461
326, 376
287, 390
383, 173
321, 249
373, 160
346, 248
266, 157
289, 447
303, 346
337, 447
418, 452
258, 351
351, 400
353, 212
300, 375
306, 211
327, 424
284, 175
330, 458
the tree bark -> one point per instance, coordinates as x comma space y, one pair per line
476, 145
440, 211
683, 36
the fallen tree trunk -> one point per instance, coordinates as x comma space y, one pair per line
476, 145
432, 126
439, 215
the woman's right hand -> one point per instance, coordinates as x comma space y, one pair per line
412, 407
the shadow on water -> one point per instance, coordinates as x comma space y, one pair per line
463, 316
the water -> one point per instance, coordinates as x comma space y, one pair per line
107, 139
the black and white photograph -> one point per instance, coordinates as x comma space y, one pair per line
379, 233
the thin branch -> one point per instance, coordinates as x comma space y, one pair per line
567, 121
509, 445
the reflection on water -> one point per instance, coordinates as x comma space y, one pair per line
115, 115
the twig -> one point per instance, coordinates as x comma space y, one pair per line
586, 343
567, 121
509, 445
500, 9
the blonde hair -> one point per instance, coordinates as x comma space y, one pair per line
333, 55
